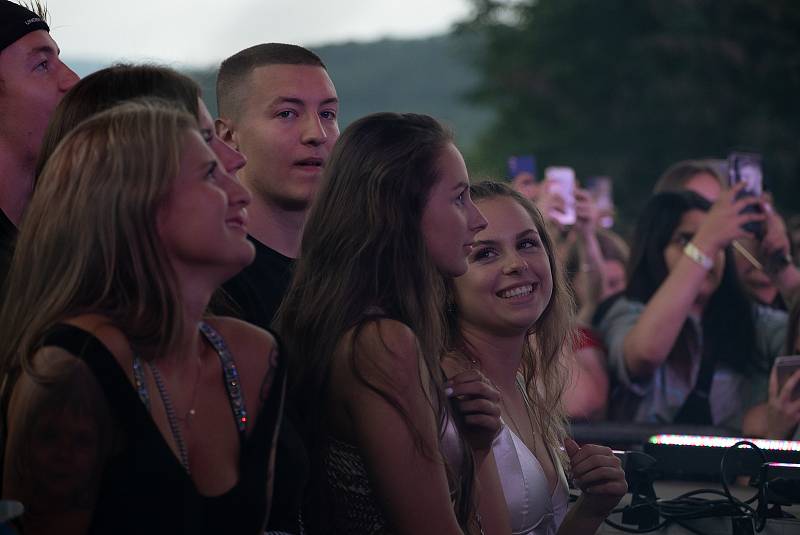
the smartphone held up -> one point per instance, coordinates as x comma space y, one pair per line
746, 167
560, 183
785, 367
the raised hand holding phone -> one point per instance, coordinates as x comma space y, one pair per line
600, 188
586, 212
783, 412
727, 220
560, 183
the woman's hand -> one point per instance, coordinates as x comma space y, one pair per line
586, 213
776, 239
783, 412
599, 475
550, 202
478, 403
724, 221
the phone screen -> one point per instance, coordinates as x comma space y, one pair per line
561, 182
521, 164
746, 167
784, 369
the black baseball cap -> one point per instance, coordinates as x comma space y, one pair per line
16, 22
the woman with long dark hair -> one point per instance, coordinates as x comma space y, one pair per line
685, 343
364, 324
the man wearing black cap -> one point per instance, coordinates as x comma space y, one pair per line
32, 81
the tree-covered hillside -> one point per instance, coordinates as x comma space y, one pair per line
625, 88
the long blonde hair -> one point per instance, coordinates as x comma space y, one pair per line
88, 242
549, 340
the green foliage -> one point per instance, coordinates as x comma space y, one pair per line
624, 87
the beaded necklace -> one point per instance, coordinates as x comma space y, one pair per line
172, 419
232, 385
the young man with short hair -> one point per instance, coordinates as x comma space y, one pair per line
278, 107
32, 81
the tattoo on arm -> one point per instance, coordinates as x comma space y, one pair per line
269, 376
59, 437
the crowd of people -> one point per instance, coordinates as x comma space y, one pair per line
250, 323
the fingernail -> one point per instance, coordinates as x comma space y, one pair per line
448, 391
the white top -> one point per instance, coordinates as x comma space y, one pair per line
533, 509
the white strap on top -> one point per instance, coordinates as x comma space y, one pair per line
533, 509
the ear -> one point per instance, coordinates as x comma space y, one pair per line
224, 128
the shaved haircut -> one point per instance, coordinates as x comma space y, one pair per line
235, 71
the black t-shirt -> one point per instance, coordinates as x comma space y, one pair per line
257, 293
258, 290
8, 236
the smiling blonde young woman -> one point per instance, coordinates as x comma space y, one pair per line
510, 317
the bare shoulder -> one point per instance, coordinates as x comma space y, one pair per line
243, 336
57, 401
384, 350
104, 330
254, 350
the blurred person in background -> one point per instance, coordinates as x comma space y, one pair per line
780, 418
615, 253
522, 170
753, 276
793, 228
700, 176
578, 252
766, 282
685, 343
583, 257
586, 394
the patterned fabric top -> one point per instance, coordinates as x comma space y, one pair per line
354, 508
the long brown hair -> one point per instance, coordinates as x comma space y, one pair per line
111, 86
88, 243
550, 340
362, 252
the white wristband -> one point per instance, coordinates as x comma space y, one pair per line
693, 252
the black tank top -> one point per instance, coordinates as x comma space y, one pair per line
144, 488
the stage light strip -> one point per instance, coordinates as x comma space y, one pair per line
722, 442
